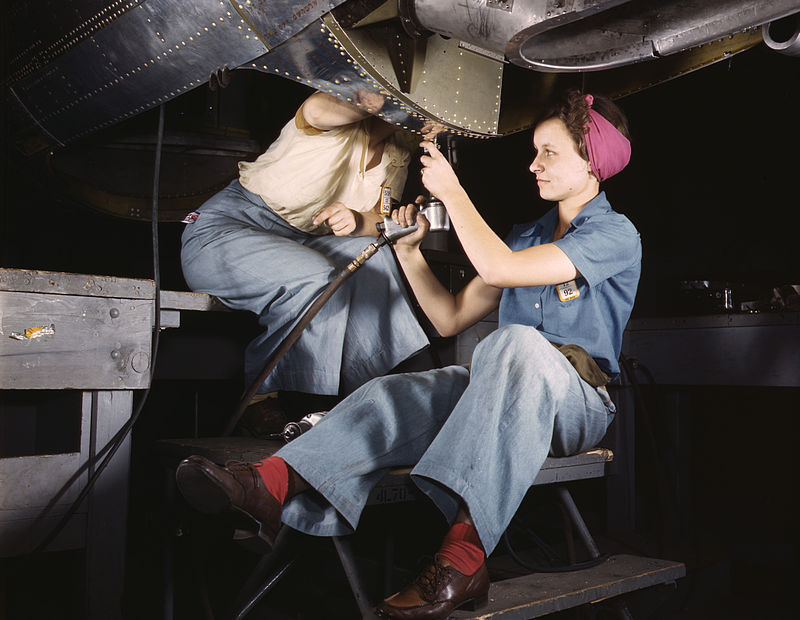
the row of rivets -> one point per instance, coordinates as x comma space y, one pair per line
152, 62
393, 99
86, 29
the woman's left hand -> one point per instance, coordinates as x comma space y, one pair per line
407, 216
341, 220
437, 174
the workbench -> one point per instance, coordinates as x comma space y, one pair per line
91, 336
759, 349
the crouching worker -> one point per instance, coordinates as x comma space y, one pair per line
476, 438
273, 239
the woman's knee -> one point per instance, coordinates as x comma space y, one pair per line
522, 352
428, 386
512, 341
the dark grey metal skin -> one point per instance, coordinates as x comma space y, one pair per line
78, 66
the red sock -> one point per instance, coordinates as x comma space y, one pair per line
462, 548
275, 474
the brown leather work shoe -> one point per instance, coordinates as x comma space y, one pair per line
212, 489
436, 592
263, 418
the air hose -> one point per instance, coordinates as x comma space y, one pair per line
389, 232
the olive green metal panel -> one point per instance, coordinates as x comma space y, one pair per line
451, 84
357, 66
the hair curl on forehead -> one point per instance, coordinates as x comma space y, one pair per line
572, 110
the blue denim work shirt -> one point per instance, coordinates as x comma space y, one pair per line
606, 250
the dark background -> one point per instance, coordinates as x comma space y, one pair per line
712, 185
712, 188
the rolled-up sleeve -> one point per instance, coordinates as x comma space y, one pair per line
602, 246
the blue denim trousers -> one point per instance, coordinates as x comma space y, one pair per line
476, 436
240, 251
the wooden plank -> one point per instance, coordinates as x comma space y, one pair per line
183, 300
251, 449
27, 483
219, 449
57, 283
91, 342
596, 456
539, 594
107, 513
396, 486
582, 466
21, 536
247, 448
61, 283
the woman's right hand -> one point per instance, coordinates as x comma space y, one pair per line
406, 216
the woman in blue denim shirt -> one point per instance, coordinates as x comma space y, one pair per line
476, 437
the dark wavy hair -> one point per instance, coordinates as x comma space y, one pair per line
571, 108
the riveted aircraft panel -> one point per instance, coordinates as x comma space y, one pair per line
145, 57
356, 67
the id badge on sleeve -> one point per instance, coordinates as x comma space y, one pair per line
568, 290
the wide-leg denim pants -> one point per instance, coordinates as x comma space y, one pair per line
475, 436
239, 250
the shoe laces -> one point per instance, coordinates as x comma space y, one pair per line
236, 467
430, 579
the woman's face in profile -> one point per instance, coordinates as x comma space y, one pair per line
560, 170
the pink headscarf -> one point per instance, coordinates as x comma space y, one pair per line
609, 151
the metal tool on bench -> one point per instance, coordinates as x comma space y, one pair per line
293, 430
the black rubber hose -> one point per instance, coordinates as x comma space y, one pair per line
293, 335
536, 568
110, 449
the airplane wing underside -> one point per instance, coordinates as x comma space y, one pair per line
468, 67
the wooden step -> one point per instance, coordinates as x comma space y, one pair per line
539, 594
395, 487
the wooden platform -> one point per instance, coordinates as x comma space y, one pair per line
520, 598
395, 487
539, 594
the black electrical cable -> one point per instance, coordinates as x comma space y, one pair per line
661, 482
550, 569
112, 446
667, 492
388, 233
550, 554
